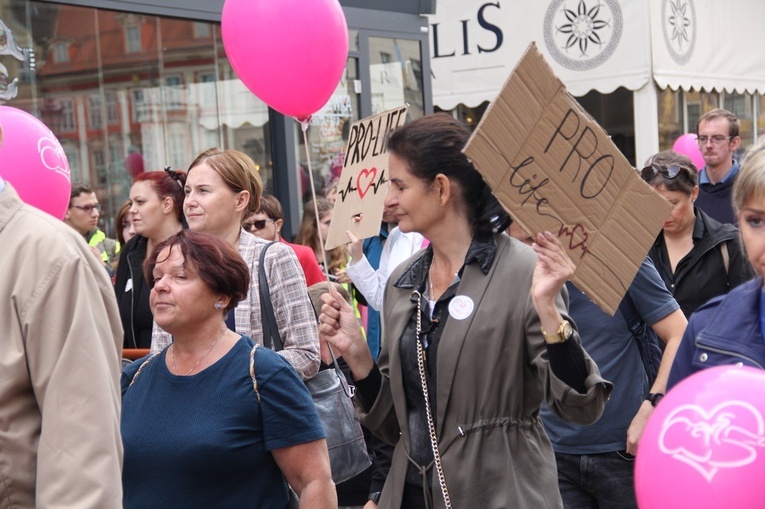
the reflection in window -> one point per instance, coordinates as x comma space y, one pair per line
396, 72
201, 30
61, 52
133, 39
95, 120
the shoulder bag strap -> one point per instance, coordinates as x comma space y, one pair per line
271, 336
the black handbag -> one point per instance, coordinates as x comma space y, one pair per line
348, 454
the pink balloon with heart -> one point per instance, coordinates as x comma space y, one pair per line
289, 53
33, 161
704, 445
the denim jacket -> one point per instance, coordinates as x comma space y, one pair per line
725, 330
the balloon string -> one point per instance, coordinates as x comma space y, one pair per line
304, 125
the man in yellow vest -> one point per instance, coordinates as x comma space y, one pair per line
82, 215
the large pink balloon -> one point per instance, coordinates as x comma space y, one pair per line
688, 146
289, 53
704, 445
31, 158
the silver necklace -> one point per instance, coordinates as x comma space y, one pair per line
172, 354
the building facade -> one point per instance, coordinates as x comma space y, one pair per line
132, 86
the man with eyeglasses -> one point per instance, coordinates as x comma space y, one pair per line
717, 133
82, 215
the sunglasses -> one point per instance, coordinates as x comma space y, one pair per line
669, 172
257, 225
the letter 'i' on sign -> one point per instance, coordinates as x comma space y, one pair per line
555, 169
364, 180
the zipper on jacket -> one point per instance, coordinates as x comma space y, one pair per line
729, 353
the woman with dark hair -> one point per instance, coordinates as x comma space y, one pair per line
697, 257
156, 210
267, 224
476, 338
222, 188
211, 420
730, 329
123, 223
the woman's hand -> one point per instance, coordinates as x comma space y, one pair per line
339, 327
553, 269
355, 247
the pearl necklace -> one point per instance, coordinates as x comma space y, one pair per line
172, 354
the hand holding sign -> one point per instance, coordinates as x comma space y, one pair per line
363, 182
554, 168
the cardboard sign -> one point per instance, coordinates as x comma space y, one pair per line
364, 179
554, 168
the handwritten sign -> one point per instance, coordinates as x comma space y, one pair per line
554, 168
364, 180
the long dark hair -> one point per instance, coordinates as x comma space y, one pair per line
432, 145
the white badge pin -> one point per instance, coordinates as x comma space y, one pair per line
460, 307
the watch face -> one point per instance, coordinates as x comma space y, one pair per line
565, 330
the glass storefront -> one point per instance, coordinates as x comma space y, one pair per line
126, 93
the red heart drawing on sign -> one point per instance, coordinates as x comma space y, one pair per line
583, 242
369, 179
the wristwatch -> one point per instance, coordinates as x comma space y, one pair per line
375, 497
562, 334
654, 398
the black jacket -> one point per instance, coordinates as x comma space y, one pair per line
132, 292
700, 275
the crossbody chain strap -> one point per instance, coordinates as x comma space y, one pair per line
431, 426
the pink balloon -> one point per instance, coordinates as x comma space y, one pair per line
31, 158
687, 145
289, 53
704, 445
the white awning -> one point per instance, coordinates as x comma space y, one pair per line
596, 45
708, 45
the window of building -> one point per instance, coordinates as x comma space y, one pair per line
66, 123
95, 113
112, 108
133, 39
201, 30
61, 52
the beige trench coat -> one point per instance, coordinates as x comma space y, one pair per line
60, 349
493, 375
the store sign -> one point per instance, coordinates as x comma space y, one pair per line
555, 169
364, 180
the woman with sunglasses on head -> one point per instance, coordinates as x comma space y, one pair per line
730, 329
222, 188
267, 224
697, 257
156, 211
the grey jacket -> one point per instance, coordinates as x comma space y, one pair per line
493, 375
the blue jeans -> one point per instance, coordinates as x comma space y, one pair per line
597, 481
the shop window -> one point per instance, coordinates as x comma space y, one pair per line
396, 74
742, 105
112, 108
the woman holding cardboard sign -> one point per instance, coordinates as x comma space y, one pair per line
476, 337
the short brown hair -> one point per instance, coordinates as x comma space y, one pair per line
238, 171
734, 126
271, 207
79, 188
218, 264
686, 179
